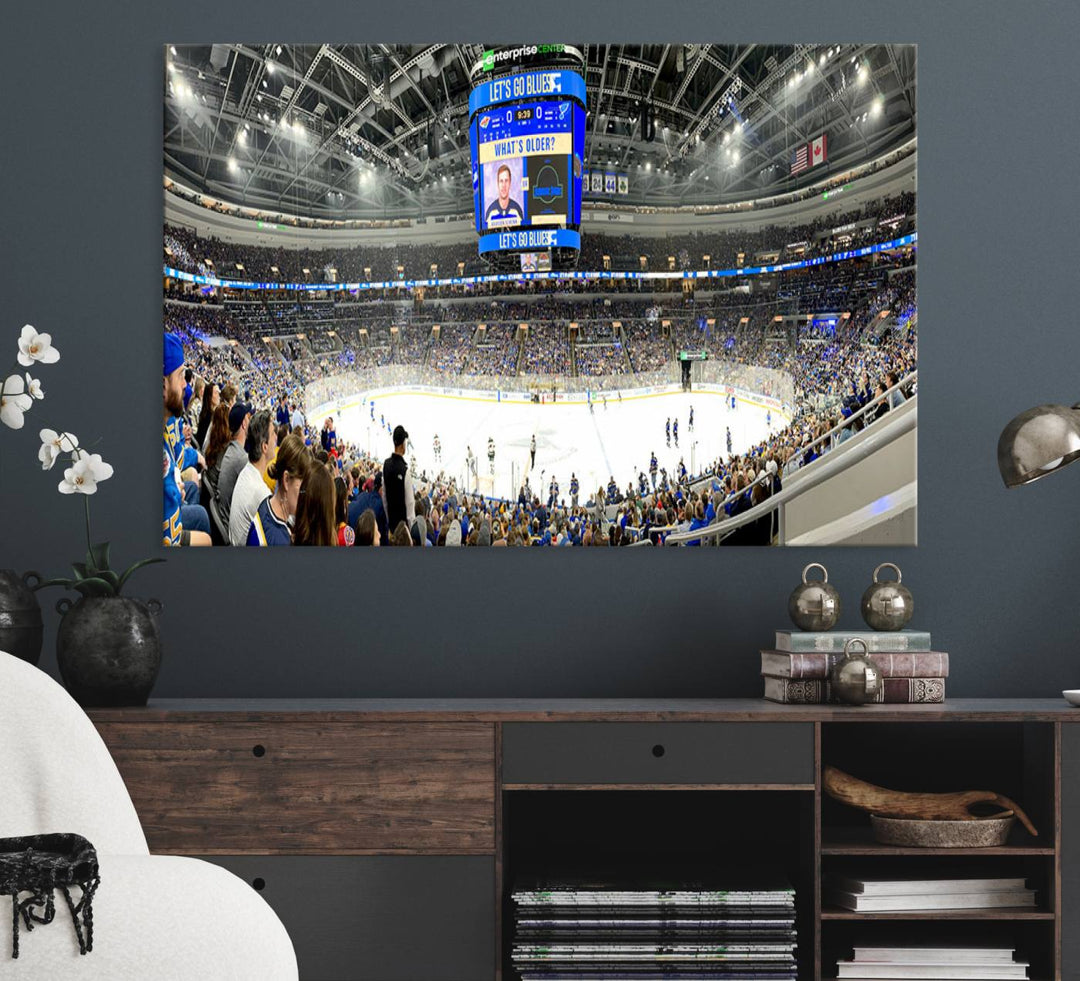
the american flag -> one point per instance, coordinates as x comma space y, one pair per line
801, 160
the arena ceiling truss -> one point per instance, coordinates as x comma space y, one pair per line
381, 131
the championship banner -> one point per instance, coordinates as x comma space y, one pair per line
585, 182
609, 183
597, 182
624, 184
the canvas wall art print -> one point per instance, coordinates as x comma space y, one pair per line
540, 295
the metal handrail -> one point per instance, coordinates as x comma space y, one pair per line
828, 467
844, 423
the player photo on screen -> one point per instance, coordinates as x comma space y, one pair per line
504, 193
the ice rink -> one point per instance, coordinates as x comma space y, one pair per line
614, 440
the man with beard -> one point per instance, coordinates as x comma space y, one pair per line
184, 524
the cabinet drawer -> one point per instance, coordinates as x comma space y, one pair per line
230, 788
765, 753
381, 918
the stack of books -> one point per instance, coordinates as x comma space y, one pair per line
796, 671
580, 930
895, 894
939, 963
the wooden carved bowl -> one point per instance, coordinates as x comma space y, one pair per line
923, 833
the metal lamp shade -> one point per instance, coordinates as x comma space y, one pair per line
1037, 442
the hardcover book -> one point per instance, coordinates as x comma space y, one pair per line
833, 641
895, 691
816, 664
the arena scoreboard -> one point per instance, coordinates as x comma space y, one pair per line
527, 141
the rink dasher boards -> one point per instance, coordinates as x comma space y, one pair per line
617, 440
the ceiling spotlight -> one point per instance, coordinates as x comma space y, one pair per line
879, 104
233, 166
821, 61
172, 50
736, 156
269, 67
278, 50
171, 67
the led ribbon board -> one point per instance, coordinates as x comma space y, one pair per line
562, 236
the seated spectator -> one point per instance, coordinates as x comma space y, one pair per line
271, 524
251, 490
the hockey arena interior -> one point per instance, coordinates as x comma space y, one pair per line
540, 295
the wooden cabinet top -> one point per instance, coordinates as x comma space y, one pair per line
581, 710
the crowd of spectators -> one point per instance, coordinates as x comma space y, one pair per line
383, 263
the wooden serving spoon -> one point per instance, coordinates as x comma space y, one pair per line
902, 804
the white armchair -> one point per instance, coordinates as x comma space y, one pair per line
156, 918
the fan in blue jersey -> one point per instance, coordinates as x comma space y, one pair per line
503, 206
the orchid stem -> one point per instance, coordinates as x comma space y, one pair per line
89, 549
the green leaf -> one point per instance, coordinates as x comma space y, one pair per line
97, 559
94, 587
111, 578
138, 565
80, 570
66, 583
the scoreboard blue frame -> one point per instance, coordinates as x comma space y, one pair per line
527, 142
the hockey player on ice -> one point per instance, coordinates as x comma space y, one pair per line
491, 455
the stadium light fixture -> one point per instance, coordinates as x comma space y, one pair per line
172, 50
1037, 442
232, 165
269, 67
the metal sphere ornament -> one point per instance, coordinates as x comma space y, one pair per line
814, 605
887, 605
855, 679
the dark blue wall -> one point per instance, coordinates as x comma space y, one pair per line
995, 576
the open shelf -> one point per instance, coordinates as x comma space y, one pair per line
860, 841
739, 836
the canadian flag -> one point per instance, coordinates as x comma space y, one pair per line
817, 151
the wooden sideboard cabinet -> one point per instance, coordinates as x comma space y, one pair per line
388, 834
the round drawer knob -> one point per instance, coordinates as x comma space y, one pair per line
258, 750
658, 750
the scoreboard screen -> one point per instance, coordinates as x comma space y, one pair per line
527, 151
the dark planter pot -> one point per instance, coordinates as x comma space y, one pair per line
21, 628
108, 649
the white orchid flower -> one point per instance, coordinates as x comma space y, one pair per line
85, 474
33, 387
14, 402
53, 444
36, 347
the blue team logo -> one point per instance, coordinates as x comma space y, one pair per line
548, 187
475, 180
563, 110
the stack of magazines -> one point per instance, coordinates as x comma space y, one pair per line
938, 963
581, 930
